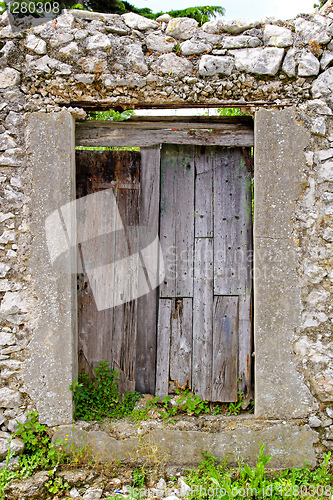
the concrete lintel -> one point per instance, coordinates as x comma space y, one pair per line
279, 161
52, 364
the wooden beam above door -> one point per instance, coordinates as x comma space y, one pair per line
145, 132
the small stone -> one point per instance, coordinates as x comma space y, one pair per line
73, 493
114, 483
9, 398
277, 36
329, 412
62, 38
71, 50
35, 44
16, 446
319, 106
326, 59
323, 85
260, 61
12, 303
182, 28
9, 77
184, 489
84, 78
135, 58
171, 497
240, 42
93, 65
308, 31
137, 22
289, 63
65, 21
319, 126
99, 41
161, 485
4, 268
6, 141
326, 422
325, 154
308, 65
315, 272
173, 65
194, 46
33, 487
160, 43
164, 18
81, 35
7, 236
314, 422
93, 494
214, 65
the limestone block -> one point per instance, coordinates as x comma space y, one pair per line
6, 339
71, 50
16, 446
164, 18
81, 35
7, 48
93, 494
308, 31
319, 106
9, 398
137, 22
318, 126
277, 36
326, 172
93, 64
65, 21
35, 44
233, 26
240, 42
160, 43
84, 78
182, 28
322, 384
265, 61
323, 85
172, 64
62, 38
308, 65
314, 422
6, 141
289, 63
315, 273
135, 58
33, 487
99, 41
12, 303
4, 268
214, 65
45, 65
9, 77
326, 59
195, 46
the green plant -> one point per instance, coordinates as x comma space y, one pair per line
138, 415
138, 476
56, 484
177, 49
235, 408
99, 398
111, 115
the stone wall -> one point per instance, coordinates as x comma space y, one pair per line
83, 59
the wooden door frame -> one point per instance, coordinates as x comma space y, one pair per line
280, 141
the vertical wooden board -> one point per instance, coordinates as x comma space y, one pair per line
204, 191
108, 334
181, 342
163, 347
232, 223
147, 304
203, 318
225, 341
245, 346
177, 219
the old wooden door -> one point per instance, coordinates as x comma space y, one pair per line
195, 329
204, 315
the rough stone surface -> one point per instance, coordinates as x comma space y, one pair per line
260, 61
240, 42
289, 444
170, 64
277, 36
308, 31
308, 65
160, 43
9, 77
194, 46
214, 65
138, 22
289, 63
181, 28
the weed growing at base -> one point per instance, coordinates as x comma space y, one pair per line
99, 398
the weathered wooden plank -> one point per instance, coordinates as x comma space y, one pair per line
203, 318
204, 191
225, 341
108, 333
177, 219
232, 223
237, 122
106, 137
181, 342
163, 347
147, 304
245, 346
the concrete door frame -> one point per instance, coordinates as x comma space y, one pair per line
279, 158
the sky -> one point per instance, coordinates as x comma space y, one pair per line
255, 9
